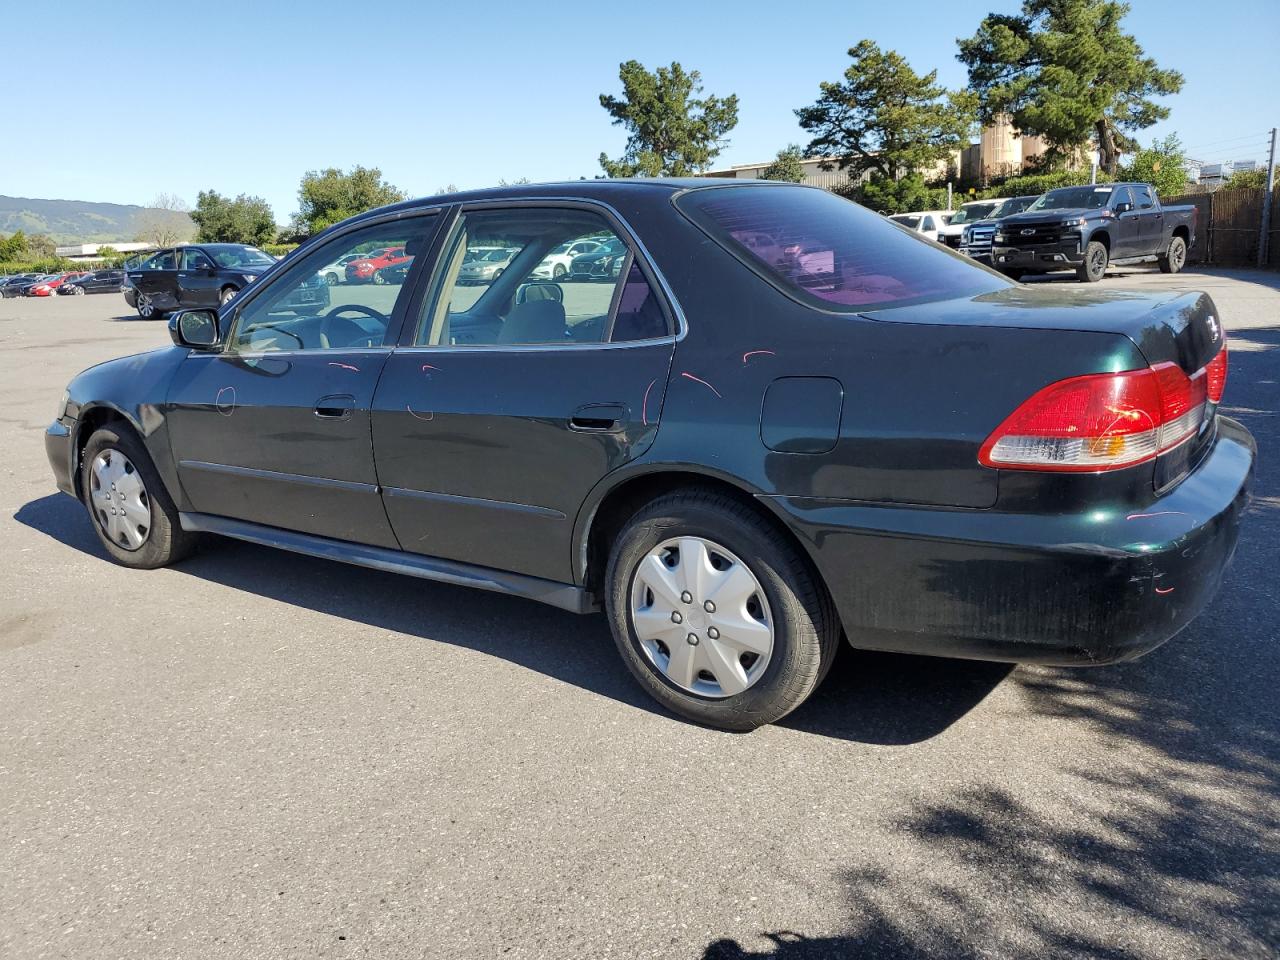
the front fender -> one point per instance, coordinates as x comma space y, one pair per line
134, 389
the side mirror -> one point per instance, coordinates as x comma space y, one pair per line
543, 290
197, 329
1123, 206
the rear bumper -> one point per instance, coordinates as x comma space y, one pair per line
1094, 587
1062, 255
58, 448
130, 296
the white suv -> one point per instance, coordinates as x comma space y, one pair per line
556, 263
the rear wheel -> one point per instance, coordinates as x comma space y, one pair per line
1094, 267
147, 309
717, 617
331, 279
558, 271
1175, 258
132, 513
77, 291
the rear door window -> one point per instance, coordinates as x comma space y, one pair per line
830, 252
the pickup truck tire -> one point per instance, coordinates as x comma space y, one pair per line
1175, 258
1013, 273
1094, 267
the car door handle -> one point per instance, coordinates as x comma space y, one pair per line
598, 417
337, 407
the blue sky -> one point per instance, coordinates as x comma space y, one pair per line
470, 93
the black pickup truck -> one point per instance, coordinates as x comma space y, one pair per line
1086, 228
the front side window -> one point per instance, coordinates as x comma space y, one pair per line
830, 252
299, 310
195, 260
538, 276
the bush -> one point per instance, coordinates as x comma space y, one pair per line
9, 268
278, 249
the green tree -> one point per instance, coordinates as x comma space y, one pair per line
242, 220
14, 247
40, 246
1255, 178
887, 195
671, 131
786, 165
1164, 166
327, 196
1066, 70
885, 118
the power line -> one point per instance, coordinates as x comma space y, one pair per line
1216, 143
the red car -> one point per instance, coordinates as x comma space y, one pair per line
361, 271
49, 287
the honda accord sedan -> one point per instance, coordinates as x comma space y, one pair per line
745, 453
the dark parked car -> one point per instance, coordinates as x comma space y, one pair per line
603, 263
101, 281
1087, 228
845, 432
16, 286
200, 275
975, 239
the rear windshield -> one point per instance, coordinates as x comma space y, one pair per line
830, 252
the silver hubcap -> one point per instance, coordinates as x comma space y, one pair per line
119, 500
701, 617
144, 306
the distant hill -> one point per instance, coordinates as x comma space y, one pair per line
74, 221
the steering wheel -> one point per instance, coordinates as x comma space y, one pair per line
326, 322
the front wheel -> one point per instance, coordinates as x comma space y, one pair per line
132, 513
331, 279
227, 294
715, 615
558, 271
1175, 258
1094, 267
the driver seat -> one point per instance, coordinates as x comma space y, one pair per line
535, 321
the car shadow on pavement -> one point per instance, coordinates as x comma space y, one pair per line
1160, 842
868, 697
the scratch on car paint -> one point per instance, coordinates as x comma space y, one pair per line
344, 366
1165, 590
419, 416
686, 373
644, 404
226, 407
427, 366
756, 353
1159, 513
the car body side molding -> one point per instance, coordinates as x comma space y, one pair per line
562, 595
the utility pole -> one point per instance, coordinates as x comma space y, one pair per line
1264, 236
948, 194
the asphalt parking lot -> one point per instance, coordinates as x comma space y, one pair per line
257, 755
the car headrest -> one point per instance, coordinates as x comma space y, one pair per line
537, 321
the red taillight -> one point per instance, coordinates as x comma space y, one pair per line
1216, 372
1105, 421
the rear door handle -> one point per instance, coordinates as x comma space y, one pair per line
337, 407
598, 417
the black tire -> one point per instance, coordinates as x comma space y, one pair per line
1095, 263
148, 310
1013, 273
558, 271
331, 279
1175, 258
166, 541
806, 629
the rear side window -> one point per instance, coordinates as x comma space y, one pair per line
830, 252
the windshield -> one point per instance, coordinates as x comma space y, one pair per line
1010, 207
829, 252
241, 257
1073, 198
973, 211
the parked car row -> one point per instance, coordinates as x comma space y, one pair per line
1085, 229
75, 283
